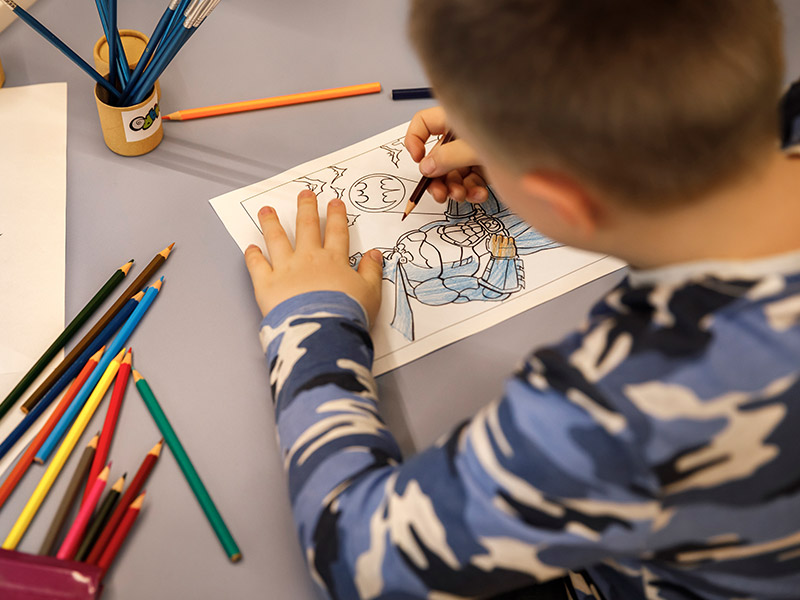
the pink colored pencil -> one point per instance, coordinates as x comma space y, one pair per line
73, 539
110, 424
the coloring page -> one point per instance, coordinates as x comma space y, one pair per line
450, 270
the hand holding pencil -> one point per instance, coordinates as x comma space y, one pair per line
452, 167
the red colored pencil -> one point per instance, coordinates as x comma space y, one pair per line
26, 459
119, 512
131, 512
110, 424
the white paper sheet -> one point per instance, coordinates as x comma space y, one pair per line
7, 15
33, 190
449, 271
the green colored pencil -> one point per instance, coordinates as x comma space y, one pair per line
200, 492
61, 341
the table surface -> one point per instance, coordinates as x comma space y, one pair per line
198, 346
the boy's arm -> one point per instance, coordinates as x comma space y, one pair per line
534, 485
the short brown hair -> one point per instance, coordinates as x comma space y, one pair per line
647, 100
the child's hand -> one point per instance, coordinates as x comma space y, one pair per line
312, 265
454, 165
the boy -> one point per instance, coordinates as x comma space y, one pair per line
653, 453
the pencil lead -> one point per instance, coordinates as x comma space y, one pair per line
403, 218
166, 251
126, 267
128, 357
117, 487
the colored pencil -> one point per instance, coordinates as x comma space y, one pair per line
192, 477
154, 39
132, 289
173, 41
110, 424
234, 107
419, 93
133, 489
99, 519
60, 457
423, 184
68, 376
55, 41
121, 533
116, 344
75, 533
70, 330
48, 547
26, 459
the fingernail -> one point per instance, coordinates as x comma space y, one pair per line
266, 210
376, 255
427, 166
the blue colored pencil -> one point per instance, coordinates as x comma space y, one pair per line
70, 374
111, 352
66, 50
155, 39
111, 42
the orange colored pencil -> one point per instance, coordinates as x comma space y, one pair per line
275, 101
119, 512
121, 533
26, 459
110, 424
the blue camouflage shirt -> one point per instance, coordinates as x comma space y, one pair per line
653, 454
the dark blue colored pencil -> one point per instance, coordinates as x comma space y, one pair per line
412, 93
66, 50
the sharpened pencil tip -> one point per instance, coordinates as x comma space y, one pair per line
136, 375
126, 267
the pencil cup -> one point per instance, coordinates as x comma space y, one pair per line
130, 130
2, 75
133, 42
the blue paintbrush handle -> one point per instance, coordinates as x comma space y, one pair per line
66, 50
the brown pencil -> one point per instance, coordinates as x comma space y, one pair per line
49, 544
423, 184
132, 289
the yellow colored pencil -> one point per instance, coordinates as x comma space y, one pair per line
61, 455
275, 101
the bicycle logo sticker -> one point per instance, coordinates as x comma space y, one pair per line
143, 122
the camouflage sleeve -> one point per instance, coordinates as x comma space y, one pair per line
536, 484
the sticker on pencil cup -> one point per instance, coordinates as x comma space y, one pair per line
130, 130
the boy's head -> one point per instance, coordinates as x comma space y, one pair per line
648, 102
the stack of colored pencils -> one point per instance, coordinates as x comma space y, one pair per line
178, 23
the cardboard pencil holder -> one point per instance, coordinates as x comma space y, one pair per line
2, 75
130, 130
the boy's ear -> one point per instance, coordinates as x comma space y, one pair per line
572, 203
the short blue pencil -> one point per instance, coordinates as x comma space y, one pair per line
66, 50
70, 374
113, 349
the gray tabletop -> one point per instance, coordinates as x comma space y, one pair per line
198, 346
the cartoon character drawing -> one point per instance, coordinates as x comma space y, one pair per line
478, 261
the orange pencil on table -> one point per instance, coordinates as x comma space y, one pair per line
75, 533
119, 512
26, 459
275, 101
121, 533
110, 424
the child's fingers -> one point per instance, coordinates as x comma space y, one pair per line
455, 187
438, 189
424, 124
337, 237
371, 269
444, 158
307, 235
477, 191
278, 244
260, 271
